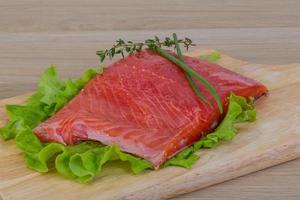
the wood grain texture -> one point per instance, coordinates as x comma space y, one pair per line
95, 15
265, 143
36, 33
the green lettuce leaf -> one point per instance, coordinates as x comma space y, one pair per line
212, 57
84, 161
239, 110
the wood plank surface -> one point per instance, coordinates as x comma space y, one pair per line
274, 138
34, 34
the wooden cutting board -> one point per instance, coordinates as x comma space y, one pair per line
274, 138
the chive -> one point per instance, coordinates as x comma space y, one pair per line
193, 73
188, 76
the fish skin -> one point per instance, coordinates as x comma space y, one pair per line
144, 104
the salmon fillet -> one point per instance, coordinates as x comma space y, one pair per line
144, 104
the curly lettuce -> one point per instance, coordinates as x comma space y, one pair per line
212, 57
83, 162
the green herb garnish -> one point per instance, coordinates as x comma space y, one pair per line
121, 47
187, 75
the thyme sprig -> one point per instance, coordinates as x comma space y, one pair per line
121, 47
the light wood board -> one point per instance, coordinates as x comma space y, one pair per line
274, 138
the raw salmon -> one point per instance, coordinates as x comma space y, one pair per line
144, 104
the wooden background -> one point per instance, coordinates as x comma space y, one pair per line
35, 34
